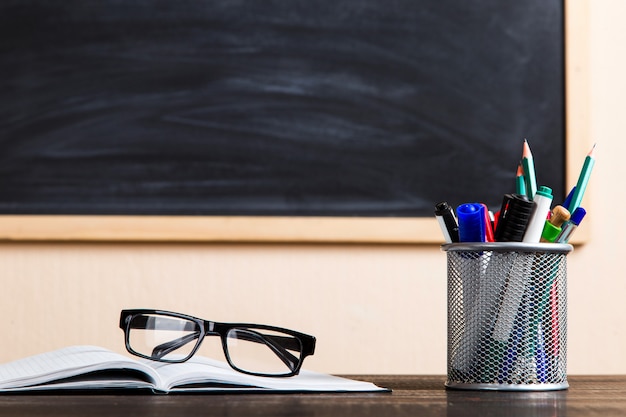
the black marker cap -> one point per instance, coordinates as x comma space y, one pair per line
514, 217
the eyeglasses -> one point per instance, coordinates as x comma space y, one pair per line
253, 349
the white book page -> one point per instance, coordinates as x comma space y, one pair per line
69, 362
200, 370
50, 371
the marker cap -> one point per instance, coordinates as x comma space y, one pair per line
514, 216
544, 191
578, 216
550, 232
447, 221
471, 222
441, 208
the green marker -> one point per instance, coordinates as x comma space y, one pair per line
583, 179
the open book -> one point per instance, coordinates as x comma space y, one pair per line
92, 367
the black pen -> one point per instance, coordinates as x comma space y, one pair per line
447, 222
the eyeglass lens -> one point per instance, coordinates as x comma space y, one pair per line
263, 351
163, 338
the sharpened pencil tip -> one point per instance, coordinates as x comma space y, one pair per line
592, 151
526, 152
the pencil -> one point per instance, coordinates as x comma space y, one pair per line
583, 179
520, 185
529, 171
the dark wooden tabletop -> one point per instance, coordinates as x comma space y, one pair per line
412, 396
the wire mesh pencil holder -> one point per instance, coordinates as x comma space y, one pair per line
507, 316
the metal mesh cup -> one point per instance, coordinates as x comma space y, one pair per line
507, 316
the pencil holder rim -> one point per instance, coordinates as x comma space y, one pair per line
508, 247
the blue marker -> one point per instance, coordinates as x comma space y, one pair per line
471, 222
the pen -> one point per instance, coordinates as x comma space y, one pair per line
553, 300
529, 171
488, 225
496, 219
570, 226
583, 179
447, 222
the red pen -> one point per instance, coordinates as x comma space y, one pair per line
496, 217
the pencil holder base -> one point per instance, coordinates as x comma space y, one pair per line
508, 387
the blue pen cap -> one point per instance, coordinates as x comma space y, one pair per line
578, 215
471, 222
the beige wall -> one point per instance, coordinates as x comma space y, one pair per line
374, 308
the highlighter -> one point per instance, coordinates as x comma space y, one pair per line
471, 222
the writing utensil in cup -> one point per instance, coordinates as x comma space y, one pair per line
528, 164
583, 180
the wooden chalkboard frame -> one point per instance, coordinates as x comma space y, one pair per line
313, 229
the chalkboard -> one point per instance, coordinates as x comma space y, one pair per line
336, 108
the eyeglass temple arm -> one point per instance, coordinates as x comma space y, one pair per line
164, 348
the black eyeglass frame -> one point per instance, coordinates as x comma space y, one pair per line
213, 328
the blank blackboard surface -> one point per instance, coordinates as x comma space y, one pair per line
276, 108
